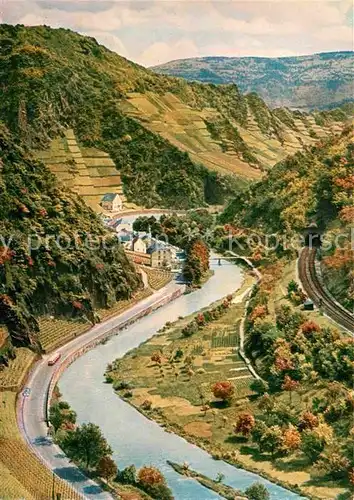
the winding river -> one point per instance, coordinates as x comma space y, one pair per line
134, 438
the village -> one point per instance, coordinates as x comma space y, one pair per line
139, 246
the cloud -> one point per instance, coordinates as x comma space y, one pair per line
155, 31
160, 52
110, 41
339, 34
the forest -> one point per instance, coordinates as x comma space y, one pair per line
56, 258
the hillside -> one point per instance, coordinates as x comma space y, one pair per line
55, 256
174, 144
314, 186
319, 81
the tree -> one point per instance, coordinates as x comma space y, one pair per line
312, 445
153, 482
60, 414
86, 444
271, 440
259, 386
257, 491
291, 439
308, 421
333, 464
309, 327
223, 390
150, 476
107, 468
127, 475
290, 385
245, 423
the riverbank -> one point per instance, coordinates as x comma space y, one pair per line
215, 485
32, 410
168, 379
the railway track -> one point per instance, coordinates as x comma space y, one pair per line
318, 294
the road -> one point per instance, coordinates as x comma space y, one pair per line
31, 409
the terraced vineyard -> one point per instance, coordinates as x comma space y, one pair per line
12, 376
124, 304
188, 127
157, 278
3, 335
88, 171
57, 332
23, 476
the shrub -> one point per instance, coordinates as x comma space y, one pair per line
120, 385
292, 287
127, 475
64, 405
257, 491
146, 405
259, 386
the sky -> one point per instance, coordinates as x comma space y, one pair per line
152, 32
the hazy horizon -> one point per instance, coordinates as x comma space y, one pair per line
156, 32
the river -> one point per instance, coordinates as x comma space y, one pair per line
134, 438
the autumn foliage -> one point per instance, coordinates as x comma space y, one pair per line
291, 439
245, 423
259, 311
308, 420
150, 476
309, 327
107, 468
223, 390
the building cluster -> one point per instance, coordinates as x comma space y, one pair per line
143, 249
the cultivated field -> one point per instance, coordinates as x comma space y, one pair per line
157, 278
57, 332
12, 376
23, 476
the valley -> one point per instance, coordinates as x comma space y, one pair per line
219, 344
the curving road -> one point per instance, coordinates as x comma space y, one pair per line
318, 294
31, 409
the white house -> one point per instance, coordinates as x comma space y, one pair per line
138, 245
112, 202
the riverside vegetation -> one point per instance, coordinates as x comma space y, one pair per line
88, 448
295, 425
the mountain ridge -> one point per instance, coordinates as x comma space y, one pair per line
290, 81
175, 144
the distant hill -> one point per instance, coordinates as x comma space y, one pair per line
321, 81
174, 144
